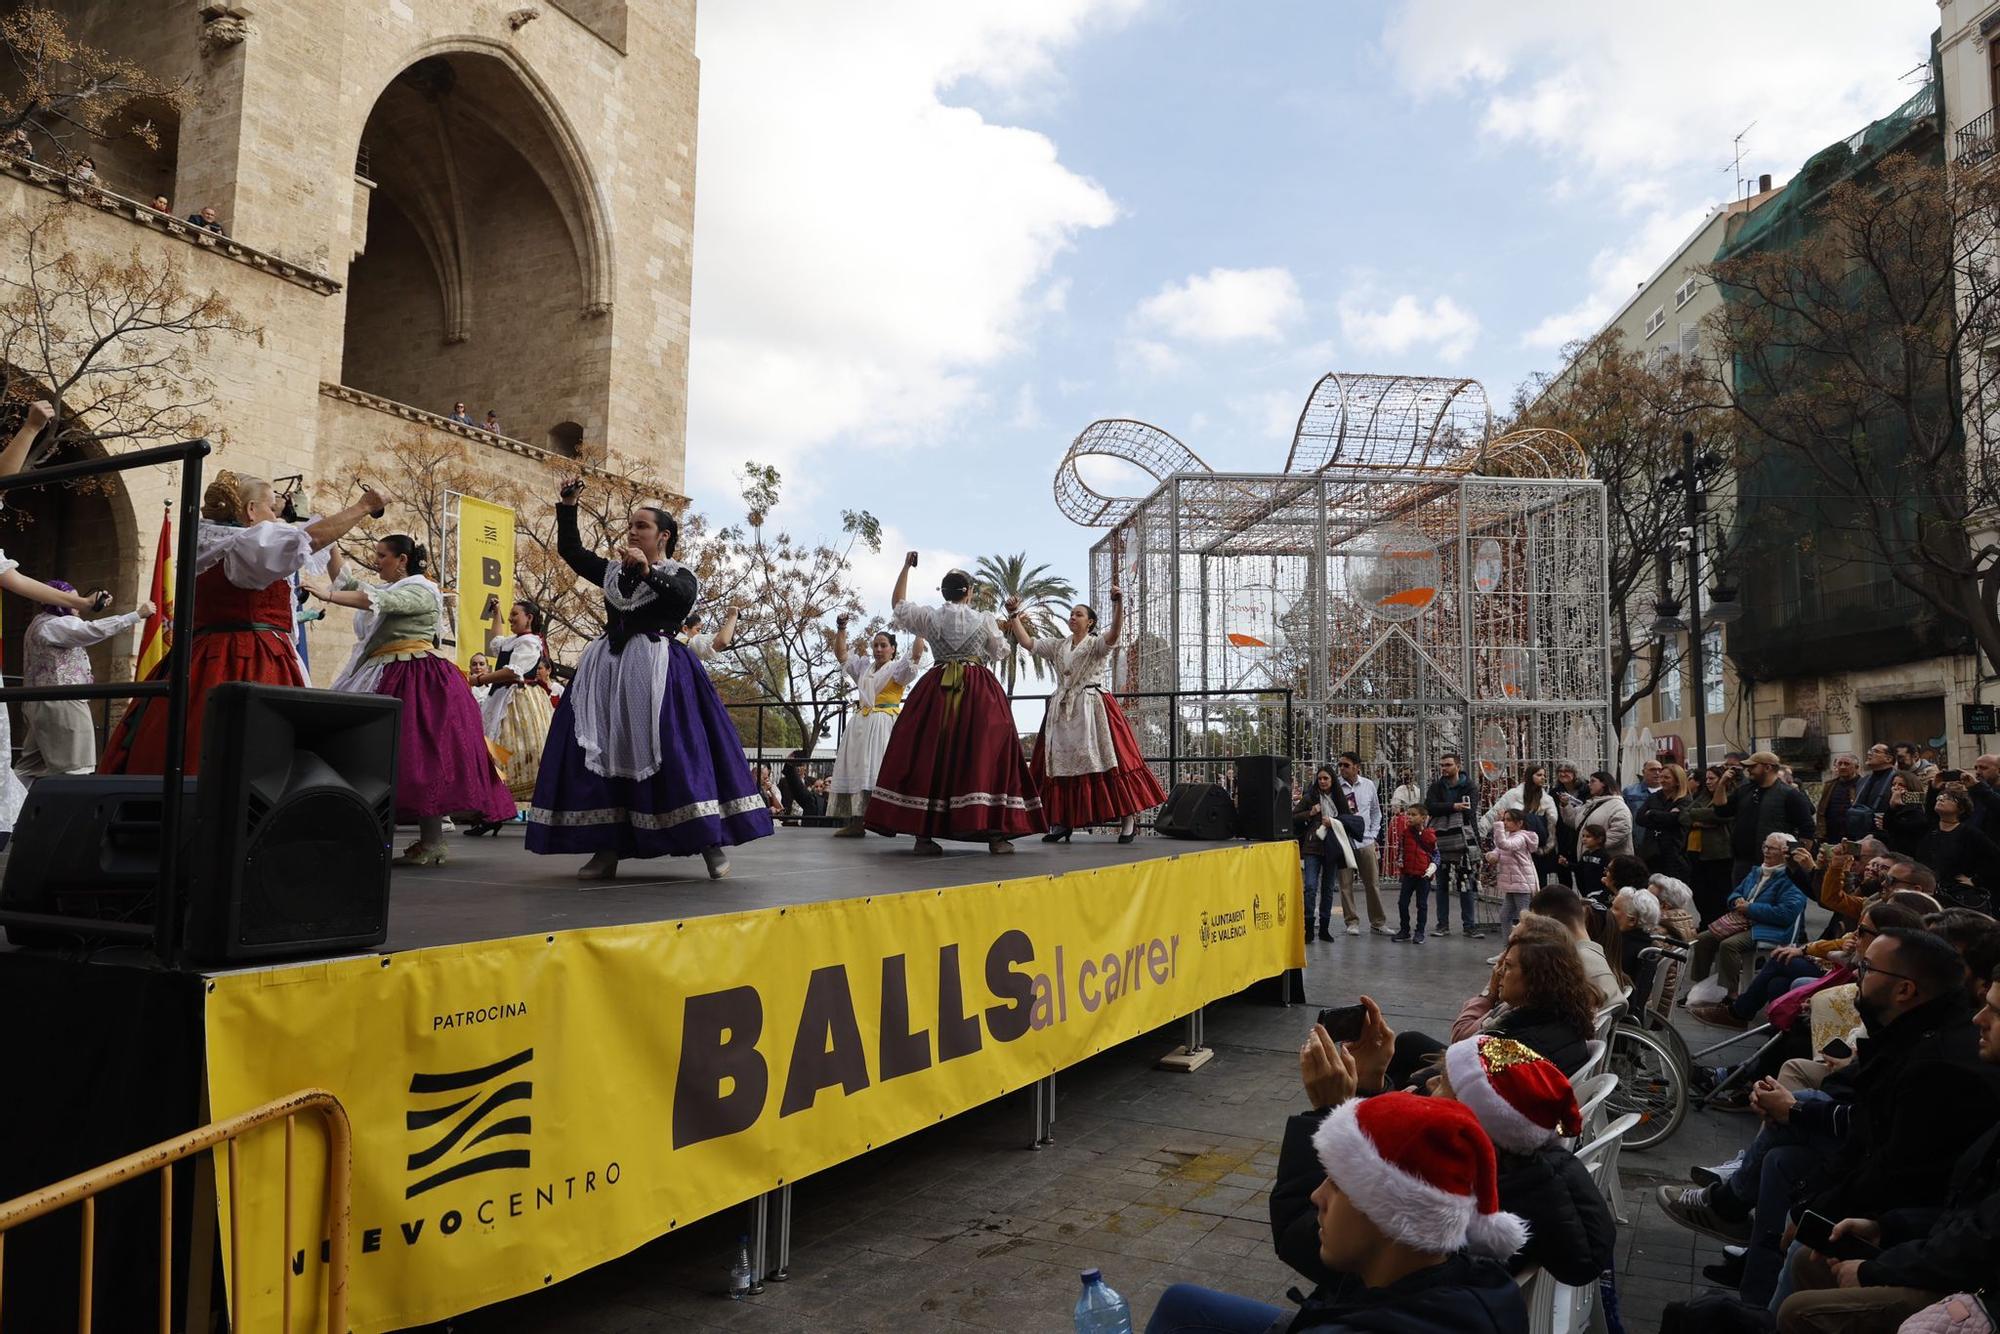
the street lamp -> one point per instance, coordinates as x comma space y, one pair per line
1724, 605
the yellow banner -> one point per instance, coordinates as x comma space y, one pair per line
485, 575
527, 1108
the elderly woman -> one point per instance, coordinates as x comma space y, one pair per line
1765, 910
1633, 922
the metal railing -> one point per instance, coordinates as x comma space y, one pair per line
1177, 756
1973, 142
165, 932
84, 1188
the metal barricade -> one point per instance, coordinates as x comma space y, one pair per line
84, 1188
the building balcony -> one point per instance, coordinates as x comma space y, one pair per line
1974, 144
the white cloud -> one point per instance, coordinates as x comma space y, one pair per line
1269, 415
1146, 357
1615, 273
1226, 305
1406, 322
1638, 105
864, 250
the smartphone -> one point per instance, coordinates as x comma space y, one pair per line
1343, 1022
1838, 1049
1816, 1231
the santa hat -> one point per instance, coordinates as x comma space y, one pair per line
1519, 1096
1421, 1170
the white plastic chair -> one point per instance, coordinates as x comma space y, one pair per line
1591, 1095
1594, 1063
1600, 1155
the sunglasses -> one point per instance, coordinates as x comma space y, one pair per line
1864, 968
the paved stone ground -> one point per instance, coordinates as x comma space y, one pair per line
1154, 1177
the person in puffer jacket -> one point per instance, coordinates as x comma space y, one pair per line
1513, 857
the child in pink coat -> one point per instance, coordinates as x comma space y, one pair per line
1513, 856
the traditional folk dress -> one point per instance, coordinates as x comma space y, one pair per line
1087, 762
12, 794
60, 737
954, 768
516, 717
879, 692
241, 631
442, 764
642, 759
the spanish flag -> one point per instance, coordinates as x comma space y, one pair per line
158, 634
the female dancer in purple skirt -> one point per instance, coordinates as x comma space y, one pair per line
442, 764
642, 759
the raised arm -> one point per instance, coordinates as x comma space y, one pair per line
327, 530
917, 647
839, 638
725, 634
569, 542
15, 456
1117, 614
901, 595
36, 591
1016, 625
75, 632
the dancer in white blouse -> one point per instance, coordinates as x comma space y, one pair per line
706, 644
514, 712
879, 681
1087, 764
55, 648
954, 767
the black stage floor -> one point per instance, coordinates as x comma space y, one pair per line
493, 887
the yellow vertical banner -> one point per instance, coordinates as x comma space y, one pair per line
485, 575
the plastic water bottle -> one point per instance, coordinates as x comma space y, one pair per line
741, 1275
1100, 1310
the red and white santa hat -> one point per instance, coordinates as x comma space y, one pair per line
1422, 1170
1519, 1096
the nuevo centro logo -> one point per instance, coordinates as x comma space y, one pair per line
469, 1121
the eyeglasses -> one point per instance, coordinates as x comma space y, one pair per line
1864, 968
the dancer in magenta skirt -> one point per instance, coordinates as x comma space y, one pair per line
442, 763
642, 759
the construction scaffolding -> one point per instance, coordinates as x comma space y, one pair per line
1419, 585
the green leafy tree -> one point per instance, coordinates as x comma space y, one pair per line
999, 578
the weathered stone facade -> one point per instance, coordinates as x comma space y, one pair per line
433, 202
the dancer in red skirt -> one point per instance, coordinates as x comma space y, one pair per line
953, 768
1087, 763
241, 627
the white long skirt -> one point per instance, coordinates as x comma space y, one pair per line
862, 745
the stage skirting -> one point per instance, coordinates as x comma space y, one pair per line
525, 1109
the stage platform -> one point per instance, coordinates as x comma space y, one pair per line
542, 1074
493, 887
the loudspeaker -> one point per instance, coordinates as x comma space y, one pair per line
1264, 797
297, 812
88, 846
1201, 811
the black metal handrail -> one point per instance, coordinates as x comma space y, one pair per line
1173, 759
166, 929
1974, 141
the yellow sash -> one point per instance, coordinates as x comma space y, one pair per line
889, 700
403, 646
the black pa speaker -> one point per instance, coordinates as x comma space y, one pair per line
1264, 797
1200, 811
297, 811
88, 846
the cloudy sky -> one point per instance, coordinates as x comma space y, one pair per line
934, 241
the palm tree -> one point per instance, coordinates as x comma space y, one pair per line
1041, 593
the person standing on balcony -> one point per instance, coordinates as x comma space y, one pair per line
1087, 763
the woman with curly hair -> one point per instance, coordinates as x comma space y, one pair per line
1538, 995
240, 628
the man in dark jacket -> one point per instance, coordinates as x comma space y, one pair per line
1759, 808
1837, 797
1926, 1253
1453, 803
1407, 1221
